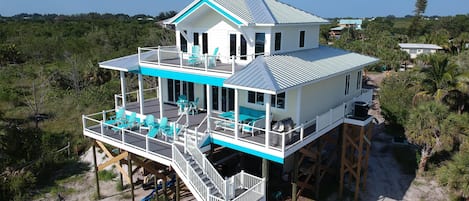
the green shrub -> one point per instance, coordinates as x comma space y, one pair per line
106, 175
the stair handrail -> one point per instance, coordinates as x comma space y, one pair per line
207, 167
189, 173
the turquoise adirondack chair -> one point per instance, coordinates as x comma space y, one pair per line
194, 106
194, 58
129, 124
119, 118
212, 60
148, 123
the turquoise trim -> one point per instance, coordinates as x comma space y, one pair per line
248, 151
213, 6
200, 79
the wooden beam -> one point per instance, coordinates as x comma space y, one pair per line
148, 167
113, 160
110, 155
96, 172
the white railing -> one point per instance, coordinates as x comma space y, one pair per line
330, 117
255, 187
171, 56
206, 166
150, 93
94, 124
189, 173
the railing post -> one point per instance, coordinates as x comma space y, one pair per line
158, 55
180, 58
283, 142
115, 102
206, 61
146, 143
208, 194
104, 115
123, 136
318, 121
102, 128
185, 142
330, 116
233, 64
83, 121
302, 132
227, 187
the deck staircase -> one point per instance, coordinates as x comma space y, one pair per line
206, 183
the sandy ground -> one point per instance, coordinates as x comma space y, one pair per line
386, 182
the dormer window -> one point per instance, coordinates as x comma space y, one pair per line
278, 41
302, 38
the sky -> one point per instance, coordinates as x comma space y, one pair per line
322, 8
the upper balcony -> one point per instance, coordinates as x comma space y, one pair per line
173, 58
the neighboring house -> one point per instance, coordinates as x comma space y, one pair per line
236, 69
415, 49
356, 24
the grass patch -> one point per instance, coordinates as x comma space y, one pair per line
106, 175
406, 157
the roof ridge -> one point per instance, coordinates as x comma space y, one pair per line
296, 8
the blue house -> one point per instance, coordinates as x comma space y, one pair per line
248, 75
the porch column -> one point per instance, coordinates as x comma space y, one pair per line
160, 96
267, 120
236, 113
209, 106
140, 93
123, 84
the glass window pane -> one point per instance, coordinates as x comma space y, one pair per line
260, 98
302, 38
278, 41
251, 97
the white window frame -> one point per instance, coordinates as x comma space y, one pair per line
347, 84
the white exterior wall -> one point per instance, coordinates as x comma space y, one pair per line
418, 51
291, 37
319, 97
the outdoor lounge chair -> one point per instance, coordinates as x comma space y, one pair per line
212, 60
118, 118
194, 57
149, 123
153, 132
170, 130
163, 124
194, 106
129, 124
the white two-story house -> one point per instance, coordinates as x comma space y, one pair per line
248, 75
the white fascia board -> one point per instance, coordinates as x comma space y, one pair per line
249, 89
114, 68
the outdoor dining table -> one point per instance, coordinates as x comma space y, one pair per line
230, 115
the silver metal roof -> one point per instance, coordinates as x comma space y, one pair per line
419, 46
127, 63
278, 73
261, 12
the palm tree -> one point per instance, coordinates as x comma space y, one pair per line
424, 128
439, 78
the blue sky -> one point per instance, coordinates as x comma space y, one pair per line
323, 8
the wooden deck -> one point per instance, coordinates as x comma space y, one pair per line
171, 112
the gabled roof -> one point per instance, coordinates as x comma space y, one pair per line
419, 46
245, 12
277, 73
